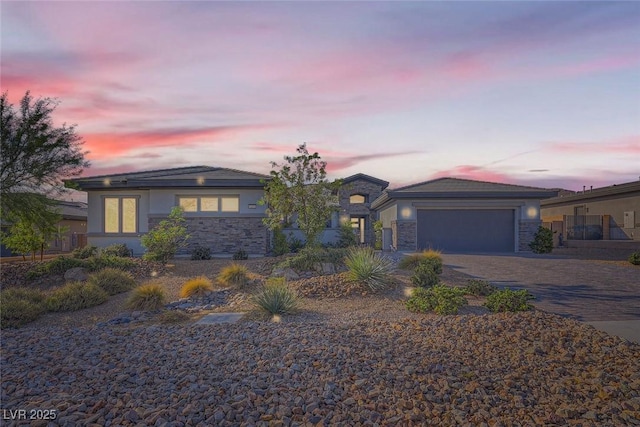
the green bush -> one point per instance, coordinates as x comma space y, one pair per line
240, 255
100, 262
116, 250
509, 300
75, 296
634, 258
295, 244
85, 252
542, 241
479, 287
440, 299
309, 258
149, 297
166, 238
346, 236
410, 262
56, 266
200, 253
112, 280
276, 298
234, 275
280, 244
425, 275
368, 267
19, 306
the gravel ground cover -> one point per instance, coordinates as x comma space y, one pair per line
346, 358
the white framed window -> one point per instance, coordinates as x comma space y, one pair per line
121, 214
209, 203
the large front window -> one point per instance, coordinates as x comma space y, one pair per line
120, 215
209, 203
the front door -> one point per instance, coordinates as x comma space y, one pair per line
358, 223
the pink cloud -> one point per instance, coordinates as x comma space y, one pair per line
477, 173
625, 145
106, 145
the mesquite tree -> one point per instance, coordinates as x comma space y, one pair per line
36, 156
299, 190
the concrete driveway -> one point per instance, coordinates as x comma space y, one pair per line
595, 292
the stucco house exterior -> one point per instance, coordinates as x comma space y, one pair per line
220, 206
459, 215
606, 213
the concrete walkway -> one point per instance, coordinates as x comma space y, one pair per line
605, 295
215, 318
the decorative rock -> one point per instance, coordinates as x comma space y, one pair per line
76, 274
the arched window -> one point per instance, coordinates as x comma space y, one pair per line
358, 198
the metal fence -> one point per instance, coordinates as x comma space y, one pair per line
583, 227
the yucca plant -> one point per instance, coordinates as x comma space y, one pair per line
234, 275
112, 280
276, 298
149, 297
75, 296
196, 287
366, 266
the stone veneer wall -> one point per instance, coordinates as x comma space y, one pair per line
225, 235
360, 186
527, 230
404, 235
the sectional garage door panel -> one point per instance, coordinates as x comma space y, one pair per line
467, 230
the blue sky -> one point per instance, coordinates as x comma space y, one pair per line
535, 93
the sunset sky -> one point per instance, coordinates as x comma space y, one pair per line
535, 93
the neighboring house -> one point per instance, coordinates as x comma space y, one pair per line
607, 213
459, 215
221, 207
72, 229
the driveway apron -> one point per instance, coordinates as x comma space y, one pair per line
582, 289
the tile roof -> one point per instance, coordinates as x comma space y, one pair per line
466, 185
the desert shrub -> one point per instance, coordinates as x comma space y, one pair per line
542, 242
440, 299
100, 262
234, 275
368, 267
425, 275
112, 280
276, 298
173, 316
509, 300
85, 252
116, 250
149, 297
19, 306
200, 253
431, 256
56, 266
240, 255
166, 238
634, 258
479, 287
295, 244
196, 287
280, 244
309, 257
346, 236
75, 296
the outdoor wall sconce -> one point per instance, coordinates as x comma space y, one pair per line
532, 212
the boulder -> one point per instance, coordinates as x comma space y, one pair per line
287, 273
76, 274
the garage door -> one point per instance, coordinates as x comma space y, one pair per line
462, 230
